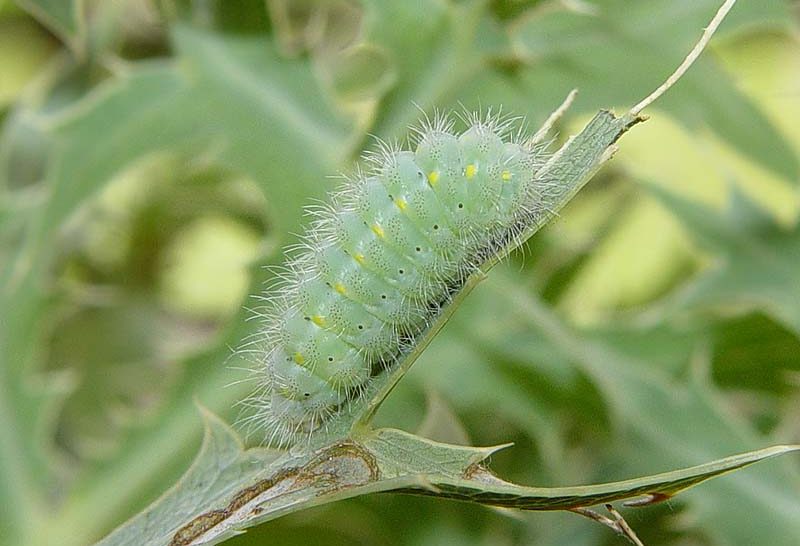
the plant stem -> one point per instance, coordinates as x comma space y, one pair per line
689, 60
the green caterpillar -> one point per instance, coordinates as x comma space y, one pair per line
380, 260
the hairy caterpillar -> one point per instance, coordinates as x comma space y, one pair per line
382, 257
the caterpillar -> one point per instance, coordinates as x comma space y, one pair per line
382, 257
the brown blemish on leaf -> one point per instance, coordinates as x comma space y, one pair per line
479, 473
197, 527
246, 495
359, 463
472, 470
340, 466
636, 120
647, 500
208, 520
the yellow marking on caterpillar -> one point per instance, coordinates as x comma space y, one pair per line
378, 230
299, 358
319, 320
433, 177
401, 203
470, 171
339, 287
359, 258
506, 175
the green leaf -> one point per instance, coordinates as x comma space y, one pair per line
615, 53
120, 372
230, 93
233, 98
221, 469
65, 18
740, 342
673, 421
456, 472
452, 44
441, 423
235, 16
757, 261
25, 48
228, 489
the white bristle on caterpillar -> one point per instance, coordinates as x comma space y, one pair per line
379, 261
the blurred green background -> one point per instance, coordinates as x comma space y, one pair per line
155, 155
